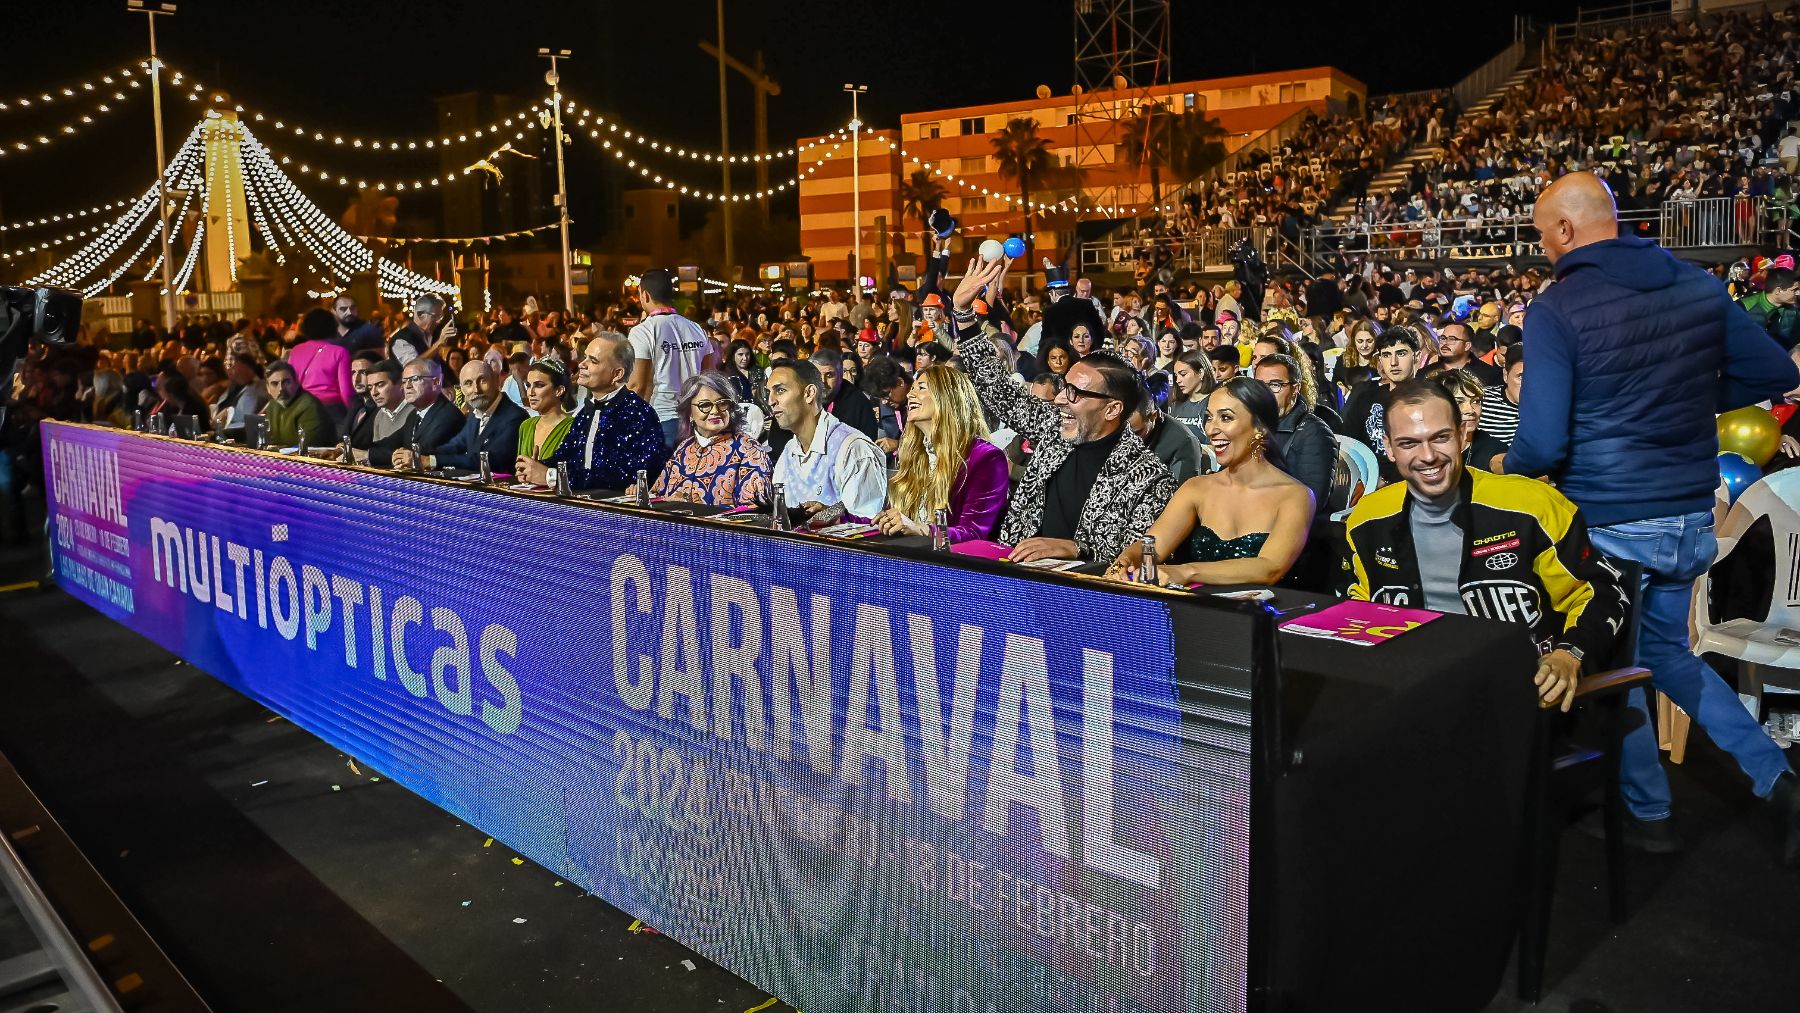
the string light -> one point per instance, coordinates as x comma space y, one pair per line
584, 116
51, 135
52, 243
75, 90
66, 216
458, 240
480, 165
693, 191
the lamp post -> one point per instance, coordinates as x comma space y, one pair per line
856, 91
725, 153
151, 11
562, 186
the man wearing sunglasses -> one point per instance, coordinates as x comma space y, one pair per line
1092, 486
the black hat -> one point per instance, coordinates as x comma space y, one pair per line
941, 223
1054, 275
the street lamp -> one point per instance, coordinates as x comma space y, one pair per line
151, 11
856, 92
562, 185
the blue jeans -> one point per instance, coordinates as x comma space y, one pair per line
1675, 551
671, 432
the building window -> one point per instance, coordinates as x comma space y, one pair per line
1189, 100
970, 166
1287, 93
974, 205
974, 125
933, 130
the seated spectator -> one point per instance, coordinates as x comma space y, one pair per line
1306, 443
1420, 543
946, 462
1455, 351
1248, 494
492, 425
177, 399
613, 436
210, 382
548, 399
1773, 308
1193, 375
1480, 450
886, 383
1092, 486
827, 470
291, 410
931, 353
1174, 444
1396, 360
716, 462
107, 404
1226, 361
244, 398
1500, 403
434, 420
360, 364
842, 396
323, 366
381, 383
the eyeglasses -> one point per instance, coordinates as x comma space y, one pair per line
1277, 386
708, 407
1075, 394
410, 380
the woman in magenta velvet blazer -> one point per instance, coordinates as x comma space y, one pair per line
323, 366
946, 462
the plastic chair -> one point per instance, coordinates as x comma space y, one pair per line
1360, 473
1774, 639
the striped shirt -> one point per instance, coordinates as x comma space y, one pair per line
1499, 417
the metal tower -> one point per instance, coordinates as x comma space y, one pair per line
1121, 38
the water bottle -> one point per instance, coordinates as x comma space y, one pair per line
418, 458
260, 426
139, 422
156, 428
487, 470
300, 440
348, 450
643, 488
219, 428
562, 482
940, 531
778, 507
1147, 569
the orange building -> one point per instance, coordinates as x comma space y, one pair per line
1083, 131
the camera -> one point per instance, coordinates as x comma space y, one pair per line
53, 314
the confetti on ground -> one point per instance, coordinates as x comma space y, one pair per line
488, 843
377, 780
688, 964
635, 926
337, 787
354, 769
518, 861
763, 1006
518, 921
466, 903
557, 883
259, 784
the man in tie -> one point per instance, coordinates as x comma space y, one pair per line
492, 424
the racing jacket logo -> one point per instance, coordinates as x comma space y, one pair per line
1506, 600
1502, 561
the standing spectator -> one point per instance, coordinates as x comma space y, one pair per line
1660, 351
354, 334
323, 366
430, 320
1500, 404
843, 398
667, 348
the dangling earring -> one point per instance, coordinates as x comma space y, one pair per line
1256, 445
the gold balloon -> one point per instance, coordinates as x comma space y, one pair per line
1751, 433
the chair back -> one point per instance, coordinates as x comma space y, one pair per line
1623, 654
1357, 474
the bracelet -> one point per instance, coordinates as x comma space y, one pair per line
964, 316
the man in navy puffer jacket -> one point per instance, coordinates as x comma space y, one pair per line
1633, 354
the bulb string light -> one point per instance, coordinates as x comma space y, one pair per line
685, 190
307, 170
66, 216
47, 136
588, 119
50, 244
456, 240
98, 83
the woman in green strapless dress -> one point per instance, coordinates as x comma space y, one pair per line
1249, 494
547, 393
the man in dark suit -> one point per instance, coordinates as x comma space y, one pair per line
845, 400
492, 425
434, 422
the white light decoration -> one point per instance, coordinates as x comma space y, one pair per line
98, 83
652, 176
42, 138
67, 216
584, 117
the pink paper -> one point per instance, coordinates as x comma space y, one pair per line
981, 548
1359, 622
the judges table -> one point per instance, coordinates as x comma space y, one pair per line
860, 774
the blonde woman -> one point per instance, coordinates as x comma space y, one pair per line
946, 462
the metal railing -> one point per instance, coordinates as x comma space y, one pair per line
1714, 221
1493, 74
1604, 19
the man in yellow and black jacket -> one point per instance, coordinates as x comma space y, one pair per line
1505, 547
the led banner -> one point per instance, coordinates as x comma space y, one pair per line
860, 782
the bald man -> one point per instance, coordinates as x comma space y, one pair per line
492, 425
1633, 354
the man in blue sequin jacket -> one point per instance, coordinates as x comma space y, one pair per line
614, 435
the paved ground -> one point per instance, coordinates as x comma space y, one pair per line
278, 879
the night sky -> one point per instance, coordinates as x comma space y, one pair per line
373, 66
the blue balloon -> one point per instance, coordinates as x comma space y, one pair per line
1737, 474
1015, 248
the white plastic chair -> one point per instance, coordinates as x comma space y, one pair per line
1363, 470
1775, 640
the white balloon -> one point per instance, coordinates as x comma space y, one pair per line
992, 250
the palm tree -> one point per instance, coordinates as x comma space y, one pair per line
1196, 144
1024, 157
1147, 141
920, 195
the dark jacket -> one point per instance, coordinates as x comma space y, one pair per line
500, 439
852, 408
1310, 450
1633, 355
1526, 560
442, 423
629, 440
1177, 447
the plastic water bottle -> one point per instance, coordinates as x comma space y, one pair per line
778, 507
348, 450
139, 421
300, 440
562, 482
418, 458
1147, 569
643, 488
487, 470
940, 531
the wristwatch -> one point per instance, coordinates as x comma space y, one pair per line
550, 477
1580, 655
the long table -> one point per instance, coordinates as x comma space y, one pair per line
860, 774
